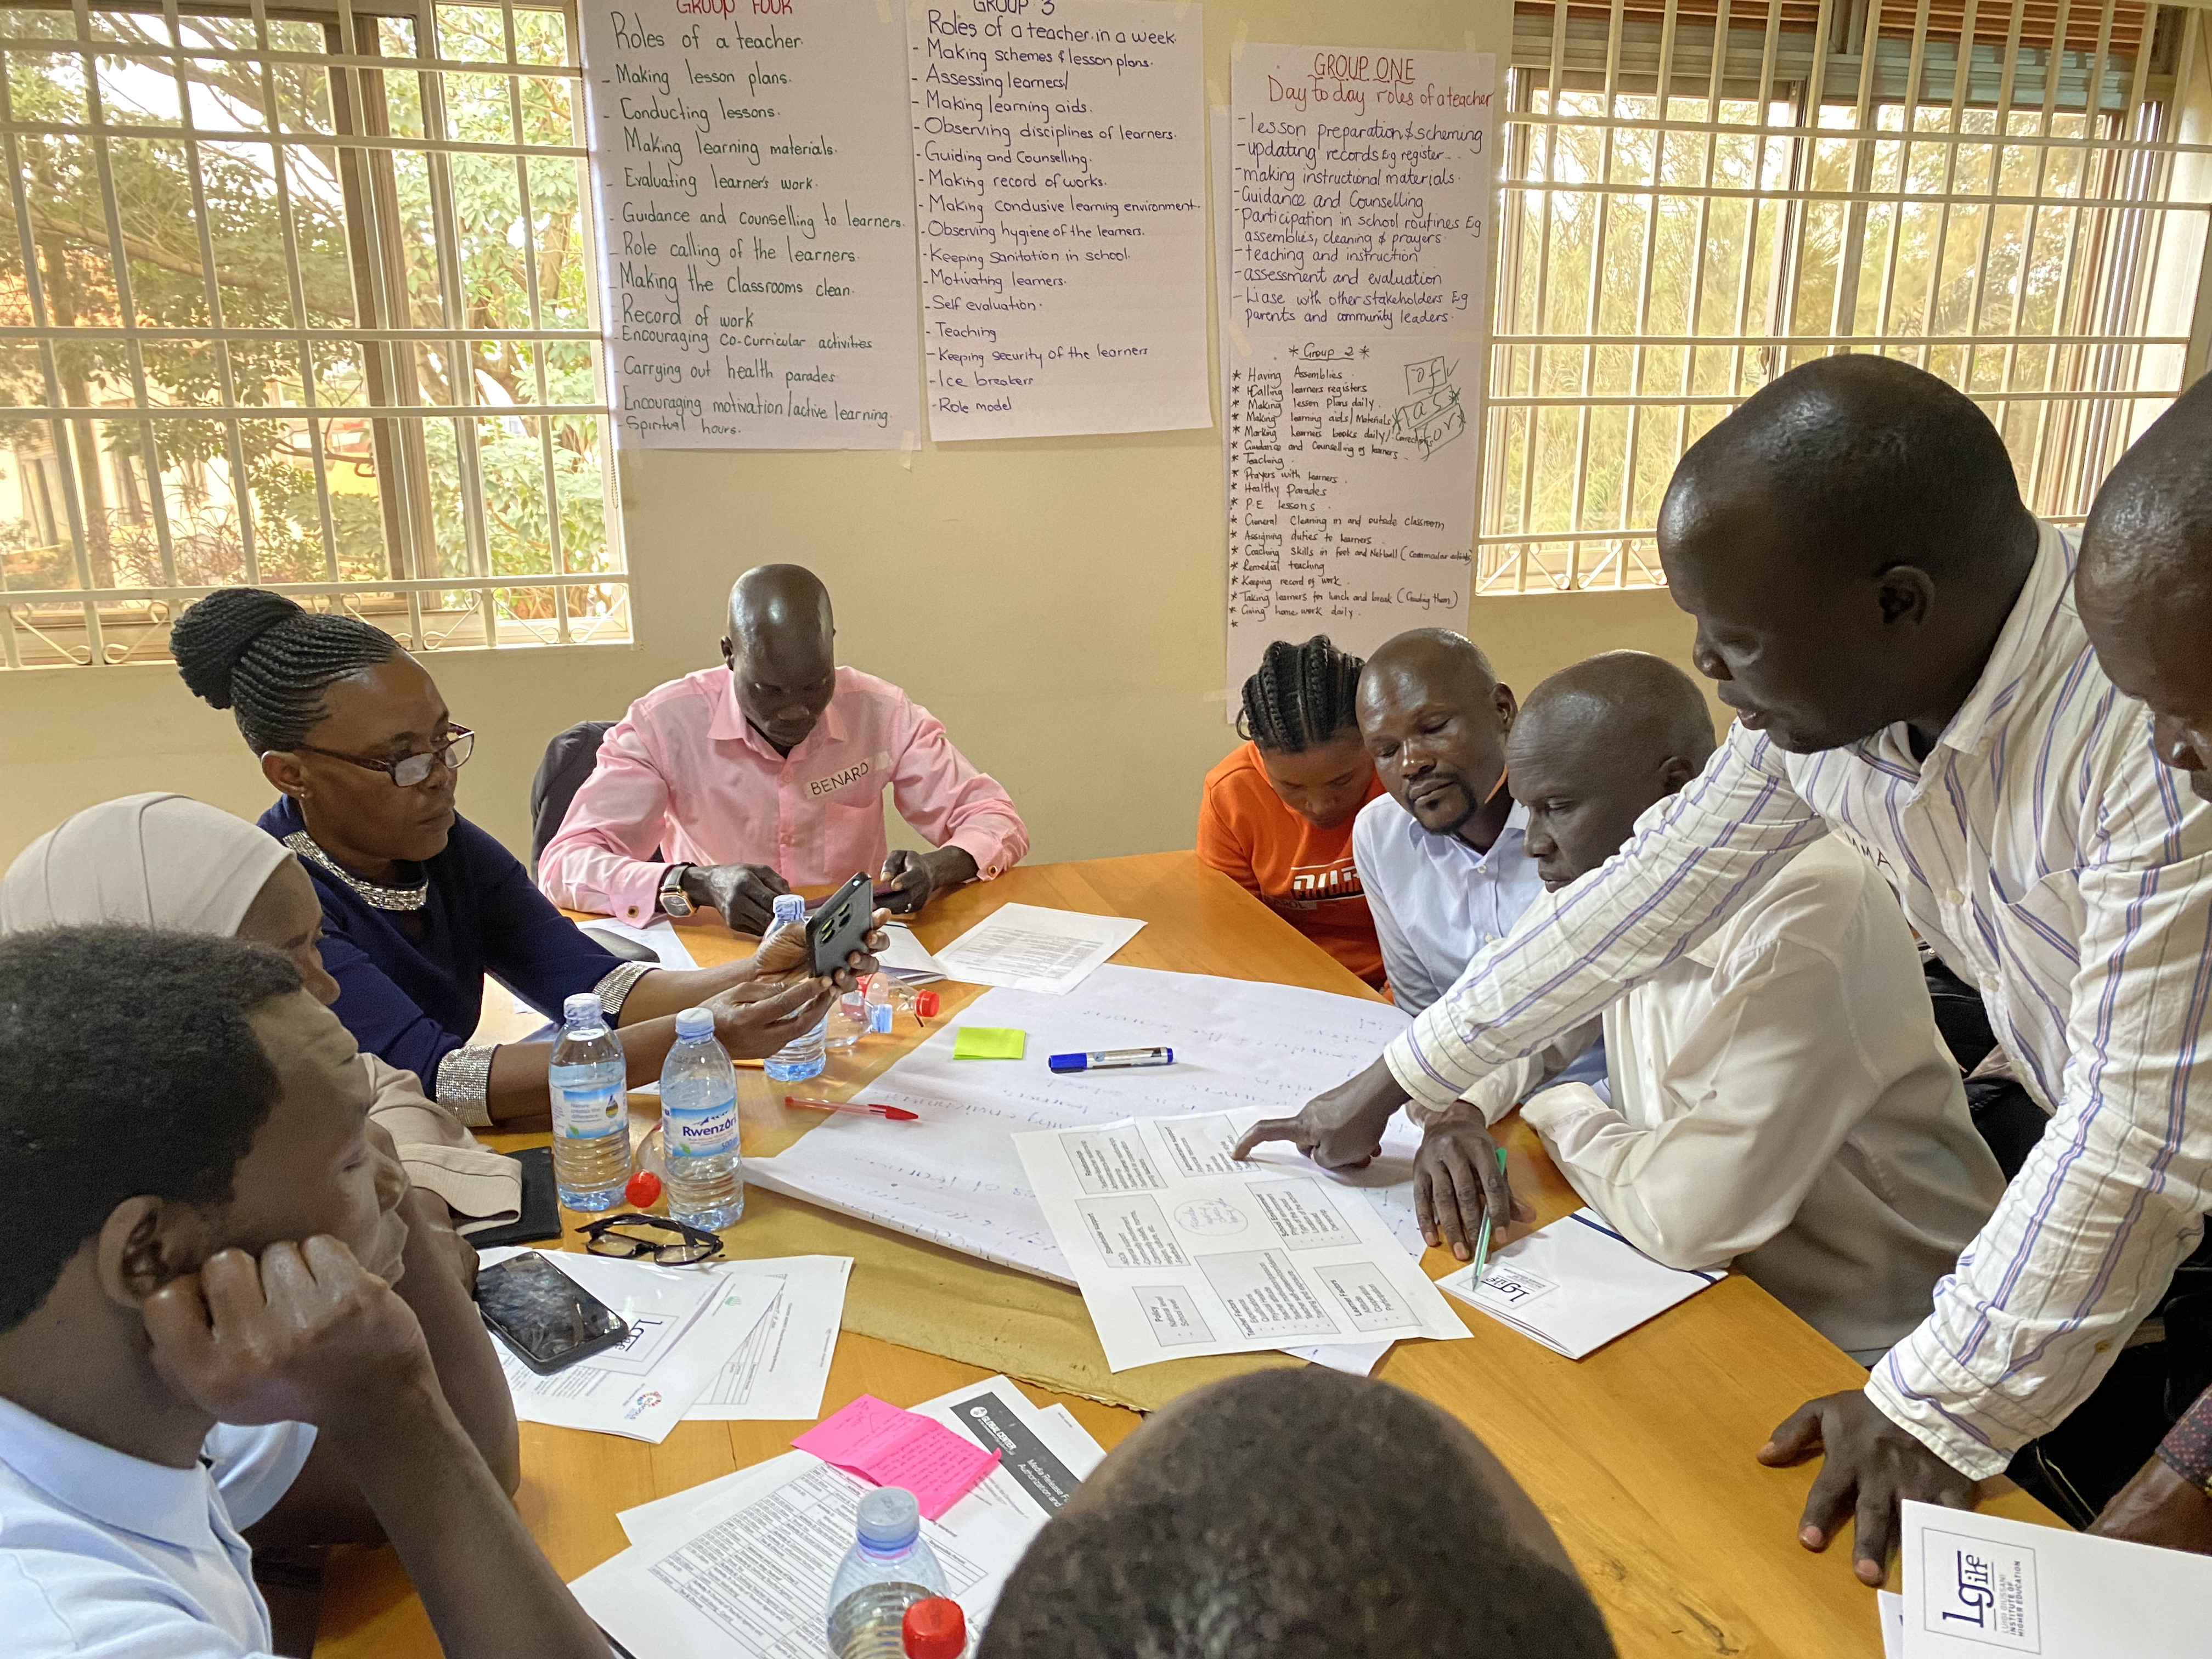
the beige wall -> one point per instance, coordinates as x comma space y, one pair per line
1057, 603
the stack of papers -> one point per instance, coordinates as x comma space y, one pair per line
748, 1340
1575, 1285
1979, 1583
1180, 1250
1029, 949
741, 1565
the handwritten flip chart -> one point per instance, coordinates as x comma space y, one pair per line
756, 228
1359, 187
1059, 176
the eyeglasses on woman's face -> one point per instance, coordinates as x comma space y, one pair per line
411, 770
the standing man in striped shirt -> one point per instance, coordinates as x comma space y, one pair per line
2145, 589
1898, 635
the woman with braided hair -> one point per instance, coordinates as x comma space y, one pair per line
1276, 816
418, 903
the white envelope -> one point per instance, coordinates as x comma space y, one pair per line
1575, 1285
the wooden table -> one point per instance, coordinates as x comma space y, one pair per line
1641, 1454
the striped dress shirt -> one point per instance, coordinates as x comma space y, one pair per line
2046, 854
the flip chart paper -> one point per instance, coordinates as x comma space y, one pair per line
1977, 1586
756, 225
1358, 191
1059, 172
893, 1447
1175, 1260
988, 1042
956, 1179
1575, 1285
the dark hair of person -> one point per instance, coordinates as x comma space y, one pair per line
1873, 463
132, 1071
1303, 695
1313, 1516
267, 659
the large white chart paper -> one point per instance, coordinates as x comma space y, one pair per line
1179, 1251
1978, 1585
739, 1568
1060, 168
1359, 205
756, 226
954, 1176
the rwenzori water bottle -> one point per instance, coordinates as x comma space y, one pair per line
887, 1570
590, 1112
706, 1180
803, 1057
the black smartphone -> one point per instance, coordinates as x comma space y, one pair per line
841, 925
549, 1319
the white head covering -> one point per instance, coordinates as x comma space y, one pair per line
154, 861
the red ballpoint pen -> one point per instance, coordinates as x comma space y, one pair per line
857, 1108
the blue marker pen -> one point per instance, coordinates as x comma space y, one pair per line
1112, 1060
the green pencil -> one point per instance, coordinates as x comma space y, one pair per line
1482, 1238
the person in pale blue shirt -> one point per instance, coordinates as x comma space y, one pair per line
203, 1285
1443, 856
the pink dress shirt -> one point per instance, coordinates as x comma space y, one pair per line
685, 773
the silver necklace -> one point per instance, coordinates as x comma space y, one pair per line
382, 898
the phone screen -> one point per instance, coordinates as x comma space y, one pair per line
546, 1317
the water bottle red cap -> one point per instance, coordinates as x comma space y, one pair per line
935, 1628
642, 1189
925, 1003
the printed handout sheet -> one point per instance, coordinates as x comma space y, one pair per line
1576, 1284
685, 1324
778, 1375
739, 1568
1025, 947
1180, 1251
1979, 1585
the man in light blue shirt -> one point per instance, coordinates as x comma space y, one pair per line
1442, 856
206, 1194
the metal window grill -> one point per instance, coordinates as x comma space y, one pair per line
1700, 194
301, 296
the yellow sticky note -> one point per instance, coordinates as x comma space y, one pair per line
989, 1042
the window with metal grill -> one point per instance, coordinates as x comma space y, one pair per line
300, 297
1700, 194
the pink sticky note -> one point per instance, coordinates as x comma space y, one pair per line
876, 1440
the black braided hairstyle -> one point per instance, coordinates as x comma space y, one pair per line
267, 661
1302, 696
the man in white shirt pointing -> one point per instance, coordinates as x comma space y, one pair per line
1776, 1097
1898, 635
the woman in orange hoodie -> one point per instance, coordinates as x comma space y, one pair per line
1276, 816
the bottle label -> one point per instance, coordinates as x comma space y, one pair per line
703, 1132
587, 1114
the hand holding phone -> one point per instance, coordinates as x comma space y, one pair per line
841, 925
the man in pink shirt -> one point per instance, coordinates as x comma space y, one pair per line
718, 790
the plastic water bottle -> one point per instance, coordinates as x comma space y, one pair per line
803, 1057
590, 1112
849, 1019
886, 1572
878, 1004
706, 1179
